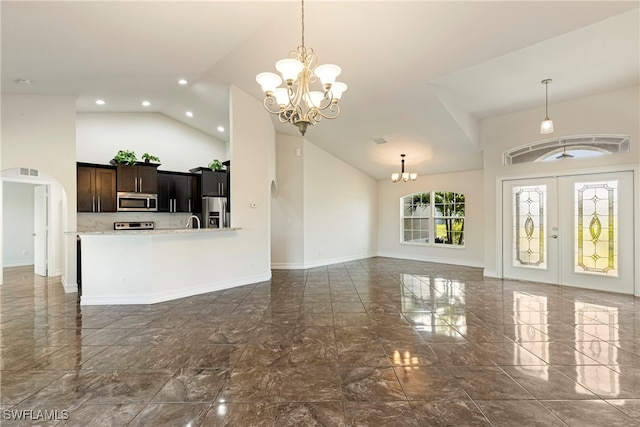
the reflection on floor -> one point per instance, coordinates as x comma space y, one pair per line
379, 342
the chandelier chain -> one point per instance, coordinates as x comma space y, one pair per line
302, 23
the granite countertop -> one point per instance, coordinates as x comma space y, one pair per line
154, 231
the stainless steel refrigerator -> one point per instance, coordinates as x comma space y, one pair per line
214, 212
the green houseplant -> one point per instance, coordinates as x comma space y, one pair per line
150, 158
216, 165
125, 157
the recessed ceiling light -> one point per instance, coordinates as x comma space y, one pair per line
182, 82
145, 103
189, 114
220, 129
100, 101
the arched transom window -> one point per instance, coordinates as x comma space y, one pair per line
567, 148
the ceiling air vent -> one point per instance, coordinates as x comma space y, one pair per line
379, 140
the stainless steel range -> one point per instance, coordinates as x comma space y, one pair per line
147, 225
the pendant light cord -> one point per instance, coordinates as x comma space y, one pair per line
546, 100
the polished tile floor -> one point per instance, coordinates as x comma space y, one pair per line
378, 342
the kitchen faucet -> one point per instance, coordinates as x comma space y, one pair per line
189, 221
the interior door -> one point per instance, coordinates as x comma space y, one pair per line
40, 229
573, 230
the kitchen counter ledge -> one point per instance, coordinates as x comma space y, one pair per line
154, 231
151, 266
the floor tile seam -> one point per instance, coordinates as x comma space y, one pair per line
529, 400
558, 371
533, 397
543, 401
478, 408
38, 390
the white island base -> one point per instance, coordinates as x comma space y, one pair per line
146, 267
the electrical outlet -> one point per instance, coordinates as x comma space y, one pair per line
123, 280
25, 252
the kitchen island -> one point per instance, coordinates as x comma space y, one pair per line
150, 266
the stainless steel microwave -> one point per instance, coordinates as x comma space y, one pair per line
137, 202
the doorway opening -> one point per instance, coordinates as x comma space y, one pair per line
32, 222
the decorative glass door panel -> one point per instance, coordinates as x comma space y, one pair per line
597, 227
530, 212
530, 222
570, 231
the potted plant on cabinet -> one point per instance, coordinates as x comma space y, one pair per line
125, 157
216, 165
150, 158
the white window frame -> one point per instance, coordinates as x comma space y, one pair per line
431, 218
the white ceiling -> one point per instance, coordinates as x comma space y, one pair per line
421, 74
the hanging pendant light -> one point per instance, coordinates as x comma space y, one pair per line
564, 154
405, 176
547, 124
296, 103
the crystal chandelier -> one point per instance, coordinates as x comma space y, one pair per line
296, 103
405, 176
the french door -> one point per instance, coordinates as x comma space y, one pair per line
573, 230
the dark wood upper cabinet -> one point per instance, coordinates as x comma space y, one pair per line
96, 188
214, 184
140, 178
176, 192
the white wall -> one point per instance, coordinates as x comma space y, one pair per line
287, 221
17, 229
616, 112
340, 209
38, 132
253, 168
325, 210
179, 147
389, 232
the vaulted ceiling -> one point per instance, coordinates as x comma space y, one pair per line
421, 74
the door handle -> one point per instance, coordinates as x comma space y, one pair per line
93, 203
99, 210
554, 236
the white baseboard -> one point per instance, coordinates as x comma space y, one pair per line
439, 260
17, 263
319, 263
68, 287
491, 273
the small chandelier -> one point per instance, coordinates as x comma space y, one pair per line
405, 176
547, 124
296, 103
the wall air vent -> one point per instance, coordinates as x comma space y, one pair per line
27, 172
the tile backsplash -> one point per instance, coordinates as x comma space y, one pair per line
104, 221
